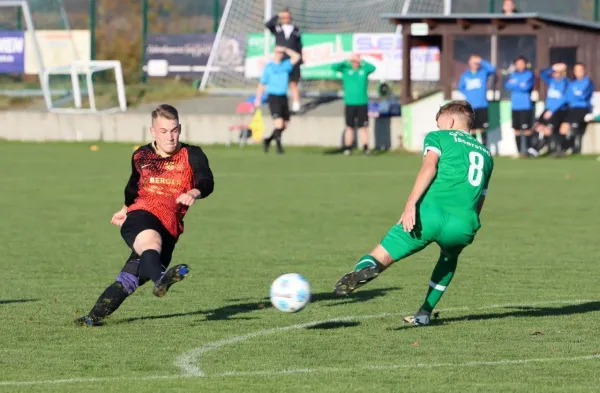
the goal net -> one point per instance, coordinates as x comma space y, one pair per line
331, 31
42, 57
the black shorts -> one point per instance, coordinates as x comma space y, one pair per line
140, 220
278, 105
576, 118
522, 120
555, 120
481, 119
295, 73
357, 115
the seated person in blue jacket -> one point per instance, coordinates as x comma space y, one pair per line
520, 84
555, 108
579, 104
473, 85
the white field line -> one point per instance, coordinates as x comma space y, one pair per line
187, 362
273, 373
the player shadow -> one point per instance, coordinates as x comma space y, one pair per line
237, 310
518, 312
11, 301
334, 325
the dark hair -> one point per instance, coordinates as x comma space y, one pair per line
461, 108
165, 111
521, 58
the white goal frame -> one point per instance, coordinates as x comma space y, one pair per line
76, 68
268, 11
88, 68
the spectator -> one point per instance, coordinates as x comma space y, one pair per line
355, 79
509, 7
288, 35
555, 111
473, 85
579, 103
275, 79
520, 83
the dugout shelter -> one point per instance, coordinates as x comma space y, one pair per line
543, 39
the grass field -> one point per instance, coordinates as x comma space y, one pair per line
522, 314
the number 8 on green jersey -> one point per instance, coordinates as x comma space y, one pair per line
464, 170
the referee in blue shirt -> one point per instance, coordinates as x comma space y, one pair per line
275, 79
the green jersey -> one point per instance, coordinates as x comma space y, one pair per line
355, 81
463, 175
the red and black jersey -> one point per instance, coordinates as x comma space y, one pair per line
156, 182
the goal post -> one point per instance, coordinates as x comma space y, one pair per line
26, 11
330, 31
88, 69
48, 63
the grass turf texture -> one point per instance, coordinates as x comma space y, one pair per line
312, 214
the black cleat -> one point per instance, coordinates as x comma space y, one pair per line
173, 275
86, 320
354, 280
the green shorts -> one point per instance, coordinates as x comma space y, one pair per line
433, 225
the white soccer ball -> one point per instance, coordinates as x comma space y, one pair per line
290, 292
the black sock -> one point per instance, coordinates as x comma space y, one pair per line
150, 266
542, 142
569, 139
562, 142
277, 136
272, 136
365, 147
518, 142
528, 141
109, 301
484, 138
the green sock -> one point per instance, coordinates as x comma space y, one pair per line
440, 279
365, 262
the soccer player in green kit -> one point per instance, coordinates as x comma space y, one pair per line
443, 207
355, 80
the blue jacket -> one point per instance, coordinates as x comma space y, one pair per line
473, 85
556, 97
579, 93
520, 85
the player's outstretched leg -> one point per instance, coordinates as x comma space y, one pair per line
366, 269
440, 279
113, 296
394, 246
151, 263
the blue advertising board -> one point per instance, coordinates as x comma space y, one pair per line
12, 52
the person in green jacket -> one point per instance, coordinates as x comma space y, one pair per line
355, 78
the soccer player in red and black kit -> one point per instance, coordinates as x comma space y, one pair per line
167, 177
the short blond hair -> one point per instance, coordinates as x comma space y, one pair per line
460, 108
165, 111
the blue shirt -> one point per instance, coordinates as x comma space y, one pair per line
276, 76
473, 85
579, 93
520, 85
556, 97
